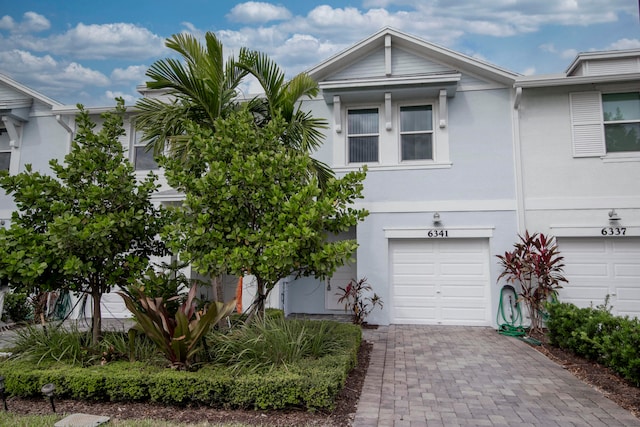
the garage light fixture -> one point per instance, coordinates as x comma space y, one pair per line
436, 218
613, 215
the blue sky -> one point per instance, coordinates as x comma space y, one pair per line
79, 51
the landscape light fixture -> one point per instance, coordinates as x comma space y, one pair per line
613, 215
2, 395
48, 390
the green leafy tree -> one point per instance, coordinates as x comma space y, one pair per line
203, 87
89, 227
251, 207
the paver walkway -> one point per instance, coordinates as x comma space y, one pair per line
471, 376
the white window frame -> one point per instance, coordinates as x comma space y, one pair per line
389, 145
13, 130
348, 161
587, 127
135, 143
432, 132
616, 122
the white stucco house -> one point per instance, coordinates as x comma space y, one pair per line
578, 145
462, 156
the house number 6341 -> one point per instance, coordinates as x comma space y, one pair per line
438, 233
613, 231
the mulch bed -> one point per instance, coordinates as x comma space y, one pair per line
600, 377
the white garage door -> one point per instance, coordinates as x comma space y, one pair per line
440, 281
596, 267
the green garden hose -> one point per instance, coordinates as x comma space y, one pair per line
511, 322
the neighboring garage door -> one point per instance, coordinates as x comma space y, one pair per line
596, 267
440, 281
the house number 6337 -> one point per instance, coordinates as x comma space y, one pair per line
613, 231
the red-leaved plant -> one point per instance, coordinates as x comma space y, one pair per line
177, 335
354, 300
536, 266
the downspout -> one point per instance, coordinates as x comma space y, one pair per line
67, 128
517, 159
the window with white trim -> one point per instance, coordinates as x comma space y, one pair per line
621, 114
416, 132
605, 125
143, 158
5, 150
363, 135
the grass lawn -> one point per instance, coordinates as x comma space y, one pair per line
9, 419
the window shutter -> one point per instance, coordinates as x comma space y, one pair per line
587, 129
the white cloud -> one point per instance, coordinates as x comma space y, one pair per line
31, 23
23, 62
128, 98
623, 44
76, 73
548, 47
569, 53
7, 23
94, 41
133, 73
34, 22
530, 71
254, 12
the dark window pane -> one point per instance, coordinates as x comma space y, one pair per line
621, 106
417, 147
5, 160
144, 159
418, 118
363, 121
622, 137
363, 149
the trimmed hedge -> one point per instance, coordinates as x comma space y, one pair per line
310, 384
596, 334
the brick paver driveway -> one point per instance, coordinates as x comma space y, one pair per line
465, 376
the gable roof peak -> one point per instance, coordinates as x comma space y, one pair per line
413, 43
4, 79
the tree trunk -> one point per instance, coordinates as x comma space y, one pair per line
216, 285
96, 321
257, 311
218, 295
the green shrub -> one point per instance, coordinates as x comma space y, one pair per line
596, 334
311, 383
17, 307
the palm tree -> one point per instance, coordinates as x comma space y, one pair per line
204, 88
283, 98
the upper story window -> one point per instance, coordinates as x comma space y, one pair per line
621, 112
364, 133
142, 158
416, 132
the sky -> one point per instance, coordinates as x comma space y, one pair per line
81, 51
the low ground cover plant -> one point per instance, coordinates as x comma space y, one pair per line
598, 335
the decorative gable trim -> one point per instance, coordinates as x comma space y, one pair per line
587, 129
